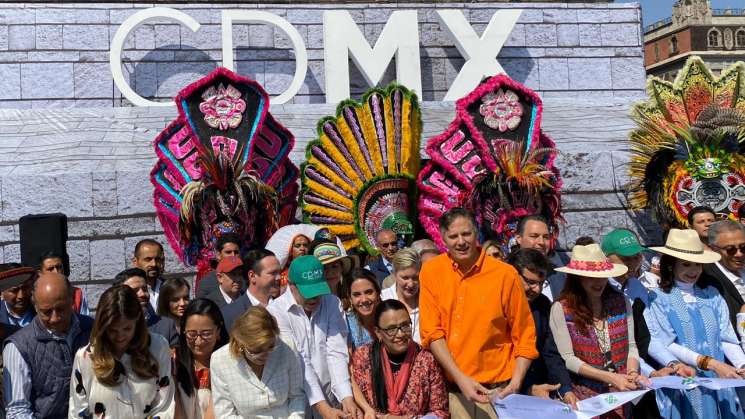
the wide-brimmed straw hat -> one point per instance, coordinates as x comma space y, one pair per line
590, 261
686, 245
330, 253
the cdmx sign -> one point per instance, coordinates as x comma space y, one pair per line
343, 39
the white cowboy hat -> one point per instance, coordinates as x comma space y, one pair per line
590, 261
685, 245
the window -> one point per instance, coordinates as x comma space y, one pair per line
714, 38
740, 38
657, 52
673, 44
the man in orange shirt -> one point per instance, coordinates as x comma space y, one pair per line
475, 319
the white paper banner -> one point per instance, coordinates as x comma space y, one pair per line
518, 406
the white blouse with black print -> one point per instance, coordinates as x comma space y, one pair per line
134, 397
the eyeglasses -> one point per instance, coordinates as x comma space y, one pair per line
387, 245
539, 284
393, 331
191, 335
731, 250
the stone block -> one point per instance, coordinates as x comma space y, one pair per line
554, 73
86, 37
8, 233
540, 35
167, 37
3, 37
524, 70
315, 37
586, 171
261, 36
17, 16
629, 52
517, 36
620, 34
93, 80
79, 253
530, 16
252, 69
590, 201
560, 16
207, 37
430, 35
593, 223
107, 258
593, 15
10, 81
104, 193
72, 15
48, 36
13, 57
69, 194
92, 292
314, 79
567, 35
304, 16
12, 253
58, 56
590, 73
145, 37
145, 80
278, 76
281, 40
625, 15
172, 77
134, 193
92, 229
21, 37
44, 80
376, 15
589, 35
628, 73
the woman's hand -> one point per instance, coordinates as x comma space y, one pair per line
723, 370
543, 390
370, 414
622, 382
570, 399
662, 372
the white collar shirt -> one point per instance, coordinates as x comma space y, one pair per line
321, 341
155, 292
225, 295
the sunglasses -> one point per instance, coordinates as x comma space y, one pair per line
730, 250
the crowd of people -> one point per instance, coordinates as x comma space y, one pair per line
413, 333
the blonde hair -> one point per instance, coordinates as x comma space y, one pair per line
406, 258
253, 330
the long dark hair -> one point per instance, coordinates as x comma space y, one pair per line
170, 287
578, 303
357, 274
185, 373
667, 273
117, 303
376, 356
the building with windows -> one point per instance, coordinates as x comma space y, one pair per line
716, 35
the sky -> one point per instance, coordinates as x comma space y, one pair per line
654, 10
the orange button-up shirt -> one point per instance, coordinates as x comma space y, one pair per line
482, 314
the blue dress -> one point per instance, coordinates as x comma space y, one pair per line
702, 327
358, 335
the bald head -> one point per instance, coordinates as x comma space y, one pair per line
53, 302
387, 243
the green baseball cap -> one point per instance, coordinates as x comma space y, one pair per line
306, 272
621, 242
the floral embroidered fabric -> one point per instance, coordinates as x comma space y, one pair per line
501, 110
222, 107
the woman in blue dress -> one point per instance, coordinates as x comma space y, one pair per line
693, 324
363, 295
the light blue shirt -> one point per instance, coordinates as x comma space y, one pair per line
19, 321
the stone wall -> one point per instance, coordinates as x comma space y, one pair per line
88, 154
56, 55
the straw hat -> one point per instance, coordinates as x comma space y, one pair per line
685, 245
590, 261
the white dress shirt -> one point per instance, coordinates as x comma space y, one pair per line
155, 292
238, 393
227, 298
737, 280
321, 341
390, 294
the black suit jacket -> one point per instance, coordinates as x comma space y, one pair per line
163, 326
230, 312
208, 284
714, 277
550, 366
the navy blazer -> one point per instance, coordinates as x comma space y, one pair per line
164, 326
378, 268
549, 368
230, 312
714, 277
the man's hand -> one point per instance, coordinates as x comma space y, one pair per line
350, 408
543, 390
570, 399
507, 390
328, 412
472, 390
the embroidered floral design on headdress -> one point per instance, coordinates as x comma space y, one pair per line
222, 107
501, 110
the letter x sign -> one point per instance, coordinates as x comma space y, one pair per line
480, 52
